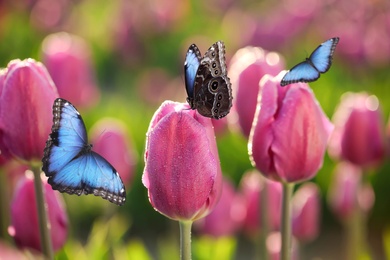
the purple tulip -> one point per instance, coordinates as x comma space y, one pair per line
26, 109
306, 212
289, 133
109, 138
359, 133
227, 216
24, 216
182, 171
347, 193
247, 67
68, 60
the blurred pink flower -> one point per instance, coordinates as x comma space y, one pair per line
247, 67
110, 139
274, 245
289, 133
182, 171
306, 210
227, 216
24, 216
347, 193
26, 109
8, 252
252, 187
359, 130
68, 60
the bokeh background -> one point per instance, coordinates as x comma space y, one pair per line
137, 49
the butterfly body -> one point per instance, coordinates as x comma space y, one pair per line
207, 85
70, 163
310, 69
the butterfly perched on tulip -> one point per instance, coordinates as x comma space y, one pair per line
71, 165
208, 87
310, 69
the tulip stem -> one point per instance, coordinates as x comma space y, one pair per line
185, 240
44, 225
4, 200
286, 221
264, 228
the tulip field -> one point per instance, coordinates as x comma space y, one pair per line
194, 129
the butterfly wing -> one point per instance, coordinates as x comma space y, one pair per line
191, 66
90, 173
303, 72
71, 165
321, 58
212, 88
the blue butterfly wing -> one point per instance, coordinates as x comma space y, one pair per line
71, 165
303, 72
191, 66
321, 58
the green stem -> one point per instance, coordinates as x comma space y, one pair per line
286, 221
4, 204
185, 240
44, 225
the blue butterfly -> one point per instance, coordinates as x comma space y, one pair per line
310, 69
71, 165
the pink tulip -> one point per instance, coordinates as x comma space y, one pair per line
247, 67
290, 131
24, 216
359, 133
227, 216
109, 138
26, 109
347, 193
306, 212
182, 171
252, 187
8, 252
68, 61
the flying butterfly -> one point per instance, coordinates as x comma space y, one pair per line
71, 165
310, 69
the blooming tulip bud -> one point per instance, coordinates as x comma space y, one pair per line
289, 133
109, 138
67, 58
359, 130
227, 216
306, 212
182, 171
26, 109
24, 216
247, 67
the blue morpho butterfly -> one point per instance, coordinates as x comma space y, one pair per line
71, 165
310, 69
207, 84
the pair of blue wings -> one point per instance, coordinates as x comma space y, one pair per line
71, 165
310, 69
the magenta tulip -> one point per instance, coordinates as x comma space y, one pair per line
359, 133
227, 216
24, 216
26, 109
347, 193
109, 138
274, 245
247, 67
306, 212
68, 59
182, 171
289, 133
252, 186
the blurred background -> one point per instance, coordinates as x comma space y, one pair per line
134, 53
